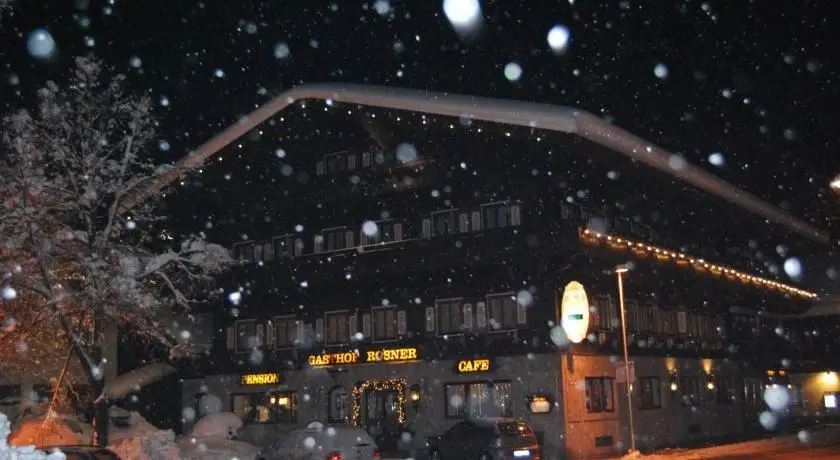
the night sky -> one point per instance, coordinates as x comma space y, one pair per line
750, 80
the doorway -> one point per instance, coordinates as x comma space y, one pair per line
379, 409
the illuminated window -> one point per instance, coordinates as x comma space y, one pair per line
599, 395
272, 407
450, 316
246, 335
830, 400
479, 399
339, 405
337, 328
650, 393
502, 312
384, 323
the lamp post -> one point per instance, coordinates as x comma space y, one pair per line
619, 271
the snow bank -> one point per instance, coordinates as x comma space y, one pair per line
8, 452
818, 436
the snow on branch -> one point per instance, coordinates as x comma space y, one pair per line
66, 168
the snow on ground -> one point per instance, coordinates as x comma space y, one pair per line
819, 436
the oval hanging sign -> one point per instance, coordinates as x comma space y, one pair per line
574, 312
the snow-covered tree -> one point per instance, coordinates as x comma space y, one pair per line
67, 253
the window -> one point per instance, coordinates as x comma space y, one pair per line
599, 395
272, 407
284, 247
384, 323
286, 330
830, 400
243, 252
338, 401
450, 316
607, 314
502, 312
335, 239
443, 223
337, 328
246, 335
336, 163
386, 232
496, 215
650, 393
479, 399
690, 388
797, 396
725, 393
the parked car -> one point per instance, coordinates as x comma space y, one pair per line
320, 442
83, 452
486, 439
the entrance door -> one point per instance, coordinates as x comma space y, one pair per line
380, 416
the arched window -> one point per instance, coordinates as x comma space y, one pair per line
338, 405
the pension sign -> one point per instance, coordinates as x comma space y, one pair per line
267, 378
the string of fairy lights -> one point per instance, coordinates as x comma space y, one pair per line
665, 255
396, 385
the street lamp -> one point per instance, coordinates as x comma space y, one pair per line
619, 272
835, 183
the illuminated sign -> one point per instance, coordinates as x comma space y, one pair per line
333, 359
385, 355
539, 404
268, 378
574, 312
471, 366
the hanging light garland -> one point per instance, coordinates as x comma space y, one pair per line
397, 385
668, 255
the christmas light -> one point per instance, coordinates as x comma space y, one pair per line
669, 255
397, 385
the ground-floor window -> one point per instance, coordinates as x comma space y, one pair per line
690, 389
650, 393
725, 393
339, 405
599, 394
478, 399
270, 407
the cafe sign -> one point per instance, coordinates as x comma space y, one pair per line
265, 378
384, 355
473, 366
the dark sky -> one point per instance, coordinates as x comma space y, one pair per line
753, 80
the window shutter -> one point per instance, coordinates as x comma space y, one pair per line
468, 316
268, 252
430, 319
260, 335
476, 221
366, 160
515, 215
231, 338
398, 236
320, 168
401, 323
481, 315
319, 329
521, 314
269, 334
463, 222
319, 244
350, 239
351, 161
366, 326
352, 325
299, 329
427, 228
258, 252
682, 322
298, 247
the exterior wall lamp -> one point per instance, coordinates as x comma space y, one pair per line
414, 397
674, 385
710, 383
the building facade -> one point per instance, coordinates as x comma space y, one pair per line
403, 315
